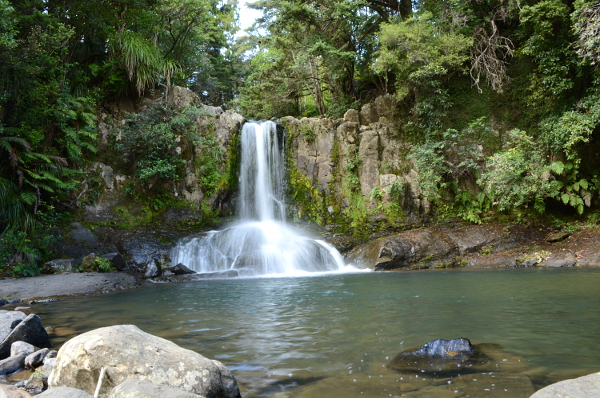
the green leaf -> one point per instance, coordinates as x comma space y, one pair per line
580, 209
565, 198
557, 167
584, 184
576, 187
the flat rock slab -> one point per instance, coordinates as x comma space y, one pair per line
66, 284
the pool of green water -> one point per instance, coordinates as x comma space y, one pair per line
332, 335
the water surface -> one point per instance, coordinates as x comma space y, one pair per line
332, 335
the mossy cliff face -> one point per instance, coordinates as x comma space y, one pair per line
169, 160
353, 172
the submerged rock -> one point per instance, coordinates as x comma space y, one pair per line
126, 352
435, 356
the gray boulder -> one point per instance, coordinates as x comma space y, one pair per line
12, 364
582, 387
8, 321
21, 347
9, 391
137, 388
64, 392
127, 352
29, 330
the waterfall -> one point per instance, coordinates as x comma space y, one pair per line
261, 243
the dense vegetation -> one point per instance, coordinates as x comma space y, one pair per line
504, 93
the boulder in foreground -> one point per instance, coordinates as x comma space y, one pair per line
582, 387
126, 352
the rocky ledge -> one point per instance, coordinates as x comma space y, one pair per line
479, 246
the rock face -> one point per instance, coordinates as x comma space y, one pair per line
435, 356
126, 352
582, 387
469, 245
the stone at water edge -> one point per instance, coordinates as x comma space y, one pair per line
8, 321
582, 387
12, 364
127, 352
29, 330
136, 388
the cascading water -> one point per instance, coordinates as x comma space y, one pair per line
262, 243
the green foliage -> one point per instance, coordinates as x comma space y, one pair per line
519, 176
422, 56
154, 139
23, 270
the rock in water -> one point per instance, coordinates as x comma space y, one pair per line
126, 352
435, 356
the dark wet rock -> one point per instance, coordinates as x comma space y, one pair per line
79, 242
127, 352
435, 356
64, 392
29, 330
36, 358
557, 237
559, 259
141, 248
136, 388
12, 364
582, 387
180, 269
198, 276
3, 302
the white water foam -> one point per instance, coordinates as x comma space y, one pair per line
262, 243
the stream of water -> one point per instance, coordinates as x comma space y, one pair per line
332, 335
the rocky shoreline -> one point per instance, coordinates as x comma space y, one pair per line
116, 362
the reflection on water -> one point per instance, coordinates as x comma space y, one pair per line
331, 336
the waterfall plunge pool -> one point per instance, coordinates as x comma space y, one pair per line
332, 335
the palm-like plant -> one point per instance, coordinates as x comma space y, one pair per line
141, 59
